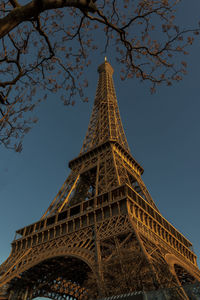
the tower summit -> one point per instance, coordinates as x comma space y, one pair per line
105, 131
105, 123
102, 234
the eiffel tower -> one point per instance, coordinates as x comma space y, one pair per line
102, 234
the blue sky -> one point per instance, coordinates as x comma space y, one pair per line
163, 132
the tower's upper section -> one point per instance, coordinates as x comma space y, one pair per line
105, 123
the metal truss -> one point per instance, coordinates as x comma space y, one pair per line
102, 234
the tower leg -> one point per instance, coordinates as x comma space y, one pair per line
180, 288
100, 279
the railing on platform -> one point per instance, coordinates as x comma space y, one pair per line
192, 291
151, 223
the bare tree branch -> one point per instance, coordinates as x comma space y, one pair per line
46, 45
32, 10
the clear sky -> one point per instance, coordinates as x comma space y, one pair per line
163, 132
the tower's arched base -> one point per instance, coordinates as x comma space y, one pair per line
57, 278
104, 222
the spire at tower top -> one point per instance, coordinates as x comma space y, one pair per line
105, 123
105, 67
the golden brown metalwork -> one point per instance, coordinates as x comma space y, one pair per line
102, 234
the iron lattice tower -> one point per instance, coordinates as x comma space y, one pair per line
102, 234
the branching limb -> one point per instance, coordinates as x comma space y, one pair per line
34, 8
14, 3
52, 41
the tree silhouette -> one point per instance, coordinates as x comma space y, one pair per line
47, 44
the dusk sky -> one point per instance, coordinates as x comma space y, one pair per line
163, 132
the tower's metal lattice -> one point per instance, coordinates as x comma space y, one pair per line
102, 235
